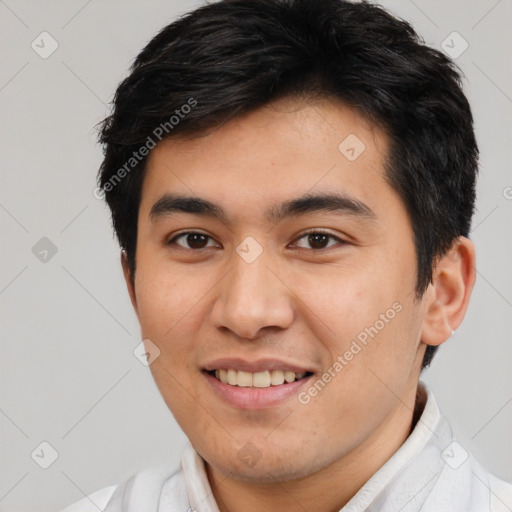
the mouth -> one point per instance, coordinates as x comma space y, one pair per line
258, 384
261, 390
262, 379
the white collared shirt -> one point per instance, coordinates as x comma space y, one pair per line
430, 472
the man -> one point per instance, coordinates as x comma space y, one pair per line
292, 184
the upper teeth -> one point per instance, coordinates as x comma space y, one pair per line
258, 379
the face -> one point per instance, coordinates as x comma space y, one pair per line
267, 279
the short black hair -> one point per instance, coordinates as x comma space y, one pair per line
231, 57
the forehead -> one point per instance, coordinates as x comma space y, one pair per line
282, 151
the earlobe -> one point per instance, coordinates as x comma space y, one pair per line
447, 297
130, 282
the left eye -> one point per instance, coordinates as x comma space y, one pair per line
319, 238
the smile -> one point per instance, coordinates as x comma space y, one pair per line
263, 379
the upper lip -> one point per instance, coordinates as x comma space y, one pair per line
260, 365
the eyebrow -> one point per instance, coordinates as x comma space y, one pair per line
343, 204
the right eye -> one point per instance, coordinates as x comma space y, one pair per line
194, 239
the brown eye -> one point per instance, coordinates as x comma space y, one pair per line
318, 240
193, 240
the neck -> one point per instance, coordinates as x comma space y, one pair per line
319, 491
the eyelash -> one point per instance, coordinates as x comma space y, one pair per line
311, 232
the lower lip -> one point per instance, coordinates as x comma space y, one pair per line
255, 398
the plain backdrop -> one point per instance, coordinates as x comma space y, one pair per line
68, 374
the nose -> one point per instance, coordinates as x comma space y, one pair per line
253, 297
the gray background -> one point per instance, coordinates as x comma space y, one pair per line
67, 372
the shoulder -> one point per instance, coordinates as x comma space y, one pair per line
142, 491
447, 473
97, 500
496, 491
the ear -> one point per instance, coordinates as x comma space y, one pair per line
130, 282
447, 297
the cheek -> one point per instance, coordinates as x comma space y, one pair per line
341, 300
164, 298
364, 314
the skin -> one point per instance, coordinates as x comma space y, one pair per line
198, 304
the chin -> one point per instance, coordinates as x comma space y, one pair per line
271, 464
